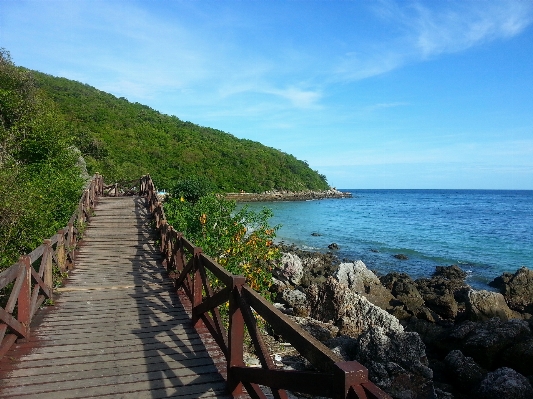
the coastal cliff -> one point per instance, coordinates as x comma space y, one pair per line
283, 195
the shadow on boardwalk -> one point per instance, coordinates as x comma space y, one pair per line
117, 329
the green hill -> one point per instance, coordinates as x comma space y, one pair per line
123, 140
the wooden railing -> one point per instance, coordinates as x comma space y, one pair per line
188, 267
31, 277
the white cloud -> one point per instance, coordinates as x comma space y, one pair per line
446, 27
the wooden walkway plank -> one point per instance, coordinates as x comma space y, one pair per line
116, 329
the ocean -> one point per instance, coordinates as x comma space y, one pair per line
485, 232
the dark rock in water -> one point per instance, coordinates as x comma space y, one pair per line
517, 289
464, 373
443, 296
316, 234
401, 256
404, 290
452, 272
374, 250
505, 383
333, 246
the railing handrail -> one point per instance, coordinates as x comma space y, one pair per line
335, 378
33, 284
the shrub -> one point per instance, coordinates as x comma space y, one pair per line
239, 240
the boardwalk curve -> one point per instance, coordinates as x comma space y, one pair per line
117, 328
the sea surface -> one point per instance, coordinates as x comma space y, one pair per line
485, 232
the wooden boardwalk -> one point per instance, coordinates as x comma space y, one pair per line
117, 328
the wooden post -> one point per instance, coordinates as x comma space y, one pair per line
196, 284
24, 298
46, 264
235, 337
61, 254
348, 377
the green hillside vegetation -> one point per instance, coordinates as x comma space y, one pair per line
124, 140
45, 119
40, 183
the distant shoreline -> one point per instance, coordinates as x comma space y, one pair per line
270, 196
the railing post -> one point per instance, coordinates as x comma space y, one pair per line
196, 284
348, 377
61, 254
235, 337
178, 253
24, 298
46, 264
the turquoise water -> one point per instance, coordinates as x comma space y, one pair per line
484, 232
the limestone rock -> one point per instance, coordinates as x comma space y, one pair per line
294, 298
320, 330
352, 313
484, 305
364, 282
291, 269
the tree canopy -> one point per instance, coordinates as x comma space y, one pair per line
123, 140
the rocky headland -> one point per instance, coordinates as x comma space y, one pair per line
283, 195
433, 337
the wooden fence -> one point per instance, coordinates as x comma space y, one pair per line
31, 284
30, 279
188, 267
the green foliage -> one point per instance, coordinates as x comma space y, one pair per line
124, 140
192, 189
39, 181
239, 240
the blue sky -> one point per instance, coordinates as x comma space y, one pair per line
373, 94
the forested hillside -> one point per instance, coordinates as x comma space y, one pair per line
40, 182
123, 140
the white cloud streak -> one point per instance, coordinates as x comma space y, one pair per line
450, 27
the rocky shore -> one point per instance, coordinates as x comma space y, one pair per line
275, 195
428, 338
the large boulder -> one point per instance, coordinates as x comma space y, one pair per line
291, 270
487, 341
293, 298
517, 289
464, 373
404, 290
484, 305
505, 383
364, 282
351, 312
396, 362
520, 357
442, 295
